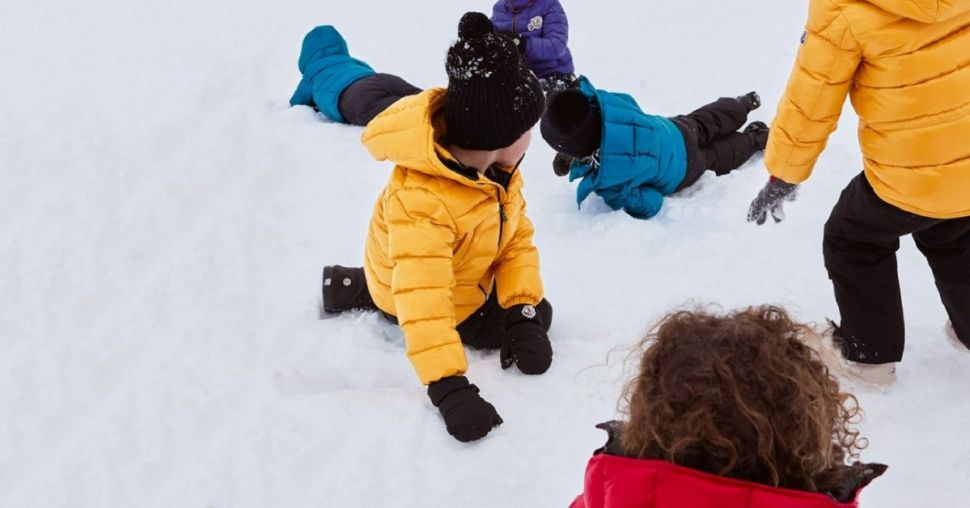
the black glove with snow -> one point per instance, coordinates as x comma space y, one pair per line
468, 417
526, 342
771, 199
517, 39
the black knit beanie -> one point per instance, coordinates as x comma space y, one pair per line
492, 99
572, 124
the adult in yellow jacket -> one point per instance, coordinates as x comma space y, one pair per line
449, 252
906, 66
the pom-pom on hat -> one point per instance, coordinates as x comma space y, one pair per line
572, 124
492, 99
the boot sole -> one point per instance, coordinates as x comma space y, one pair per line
951, 336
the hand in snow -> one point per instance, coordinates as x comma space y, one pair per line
770, 199
526, 343
468, 417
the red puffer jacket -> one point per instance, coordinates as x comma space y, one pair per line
620, 482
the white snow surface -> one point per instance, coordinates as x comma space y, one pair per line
165, 216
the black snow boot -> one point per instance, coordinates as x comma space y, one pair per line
751, 100
758, 131
345, 289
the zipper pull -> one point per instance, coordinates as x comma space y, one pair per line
501, 212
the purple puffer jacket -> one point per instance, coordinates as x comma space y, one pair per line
544, 25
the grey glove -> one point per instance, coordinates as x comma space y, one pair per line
770, 199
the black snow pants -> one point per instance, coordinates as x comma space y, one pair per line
367, 97
712, 141
861, 239
485, 328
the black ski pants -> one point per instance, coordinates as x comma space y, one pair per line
367, 97
484, 329
712, 141
861, 239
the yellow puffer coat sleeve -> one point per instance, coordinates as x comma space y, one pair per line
421, 237
810, 108
517, 278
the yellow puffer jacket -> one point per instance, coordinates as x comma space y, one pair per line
906, 64
439, 237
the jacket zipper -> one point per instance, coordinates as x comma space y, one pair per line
501, 222
501, 204
500, 193
515, 15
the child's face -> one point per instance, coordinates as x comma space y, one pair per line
511, 154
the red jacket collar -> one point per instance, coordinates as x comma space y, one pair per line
620, 482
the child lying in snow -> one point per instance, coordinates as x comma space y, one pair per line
733, 411
541, 31
343, 88
632, 159
449, 252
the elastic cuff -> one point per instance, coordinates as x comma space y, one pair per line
521, 300
438, 390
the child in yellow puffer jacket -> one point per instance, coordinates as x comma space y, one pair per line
449, 252
906, 65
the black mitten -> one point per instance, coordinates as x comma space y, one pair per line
561, 164
468, 417
771, 199
526, 343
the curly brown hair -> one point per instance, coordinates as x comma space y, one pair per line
742, 396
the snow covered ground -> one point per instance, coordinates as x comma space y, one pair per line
164, 216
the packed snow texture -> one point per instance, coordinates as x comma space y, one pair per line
165, 216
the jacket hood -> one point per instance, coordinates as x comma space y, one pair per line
924, 11
408, 133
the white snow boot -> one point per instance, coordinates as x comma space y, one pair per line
951, 336
877, 377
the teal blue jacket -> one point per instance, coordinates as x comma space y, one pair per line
642, 157
328, 69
